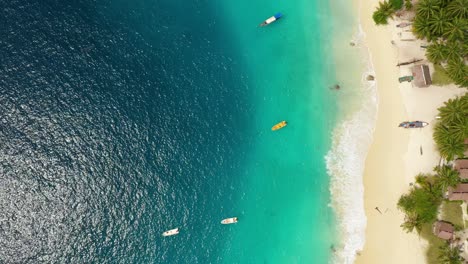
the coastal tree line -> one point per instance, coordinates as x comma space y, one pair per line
444, 24
422, 204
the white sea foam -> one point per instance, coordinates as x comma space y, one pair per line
345, 163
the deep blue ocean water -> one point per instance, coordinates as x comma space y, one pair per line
122, 119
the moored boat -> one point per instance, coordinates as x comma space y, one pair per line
271, 19
403, 24
279, 125
413, 124
171, 232
228, 221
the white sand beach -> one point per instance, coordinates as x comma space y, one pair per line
395, 155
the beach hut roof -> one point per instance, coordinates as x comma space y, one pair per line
460, 192
443, 230
461, 165
421, 74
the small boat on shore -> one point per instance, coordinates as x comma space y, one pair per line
407, 78
279, 125
271, 19
228, 221
171, 232
408, 62
403, 24
413, 124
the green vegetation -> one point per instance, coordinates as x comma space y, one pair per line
408, 5
435, 244
445, 23
449, 255
446, 177
451, 212
383, 12
421, 203
452, 128
396, 4
421, 206
440, 76
425, 199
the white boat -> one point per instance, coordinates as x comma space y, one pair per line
171, 232
271, 19
228, 221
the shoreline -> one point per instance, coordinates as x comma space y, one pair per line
395, 155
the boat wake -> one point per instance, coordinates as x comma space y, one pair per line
345, 164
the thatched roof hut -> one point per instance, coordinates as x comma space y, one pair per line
443, 230
421, 74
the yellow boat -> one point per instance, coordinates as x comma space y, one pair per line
279, 125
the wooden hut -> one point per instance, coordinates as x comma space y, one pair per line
459, 193
461, 165
421, 74
443, 230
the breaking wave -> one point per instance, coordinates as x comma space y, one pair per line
345, 162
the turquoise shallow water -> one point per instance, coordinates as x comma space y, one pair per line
122, 119
286, 216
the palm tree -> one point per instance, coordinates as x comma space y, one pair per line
458, 8
454, 50
437, 52
427, 8
383, 11
379, 17
421, 28
387, 8
455, 30
449, 147
408, 5
449, 255
428, 183
460, 130
396, 4
412, 222
447, 177
443, 3
458, 71
439, 23
454, 110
